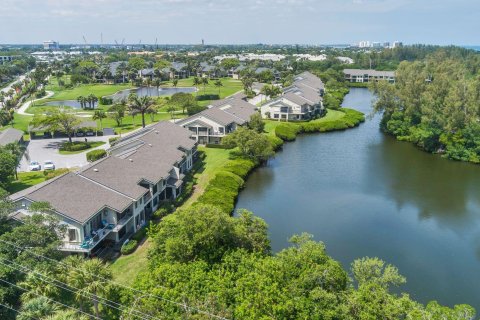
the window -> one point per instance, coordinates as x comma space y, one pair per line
72, 235
275, 116
136, 204
220, 130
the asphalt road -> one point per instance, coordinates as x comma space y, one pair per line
47, 149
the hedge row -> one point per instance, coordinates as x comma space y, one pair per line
95, 155
289, 131
129, 247
74, 146
223, 189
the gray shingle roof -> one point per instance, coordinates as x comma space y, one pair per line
114, 181
10, 135
77, 198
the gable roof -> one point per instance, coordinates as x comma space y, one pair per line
114, 181
10, 135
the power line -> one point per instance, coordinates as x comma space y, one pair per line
17, 311
39, 295
65, 287
182, 305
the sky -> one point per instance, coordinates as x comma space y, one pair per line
240, 21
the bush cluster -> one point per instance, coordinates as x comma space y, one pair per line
203, 97
223, 189
50, 174
75, 146
95, 155
129, 247
289, 131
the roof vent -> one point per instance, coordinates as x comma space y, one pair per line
150, 144
131, 160
96, 170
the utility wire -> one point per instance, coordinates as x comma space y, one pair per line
183, 305
17, 311
73, 308
67, 287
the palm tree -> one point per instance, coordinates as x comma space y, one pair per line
247, 83
157, 83
140, 105
37, 308
95, 274
37, 286
175, 82
218, 84
204, 82
196, 83
92, 99
82, 100
99, 115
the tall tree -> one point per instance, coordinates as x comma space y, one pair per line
62, 120
140, 105
99, 115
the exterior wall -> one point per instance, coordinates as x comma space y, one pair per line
203, 134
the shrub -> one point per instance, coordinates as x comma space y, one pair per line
139, 235
217, 146
240, 167
203, 97
75, 146
50, 174
275, 141
287, 131
222, 191
106, 101
129, 247
112, 140
166, 208
95, 155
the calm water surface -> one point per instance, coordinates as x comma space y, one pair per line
365, 194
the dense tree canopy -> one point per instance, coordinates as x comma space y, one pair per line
435, 104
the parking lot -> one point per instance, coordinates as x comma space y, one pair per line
47, 149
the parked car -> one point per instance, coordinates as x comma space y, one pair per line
49, 165
35, 166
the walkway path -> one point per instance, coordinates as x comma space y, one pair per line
24, 107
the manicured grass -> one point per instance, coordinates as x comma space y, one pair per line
99, 90
214, 158
230, 86
331, 115
93, 144
26, 180
126, 268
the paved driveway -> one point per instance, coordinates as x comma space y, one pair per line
47, 149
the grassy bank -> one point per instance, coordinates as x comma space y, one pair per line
334, 120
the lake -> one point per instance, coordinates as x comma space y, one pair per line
123, 94
363, 193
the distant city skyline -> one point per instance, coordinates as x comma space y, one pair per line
313, 22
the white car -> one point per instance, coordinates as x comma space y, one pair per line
49, 165
35, 166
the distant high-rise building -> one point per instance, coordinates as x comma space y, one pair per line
376, 45
50, 45
397, 44
386, 44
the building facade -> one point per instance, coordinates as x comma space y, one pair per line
367, 75
303, 100
220, 119
50, 45
112, 198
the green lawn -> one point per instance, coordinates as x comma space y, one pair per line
331, 115
214, 158
99, 90
26, 180
93, 144
126, 268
